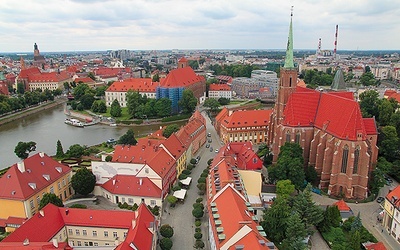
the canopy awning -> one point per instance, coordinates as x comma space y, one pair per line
180, 194
186, 181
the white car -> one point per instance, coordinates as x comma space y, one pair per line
217, 150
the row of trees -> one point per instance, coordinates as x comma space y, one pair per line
234, 70
22, 101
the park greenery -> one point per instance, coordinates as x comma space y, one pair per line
188, 102
128, 138
83, 181
23, 149
233, 70
50, 198
21, 101
170, 129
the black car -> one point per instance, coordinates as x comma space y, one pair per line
209, 140
380, 199
207, 145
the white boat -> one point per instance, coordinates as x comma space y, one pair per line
113, 124
74, 122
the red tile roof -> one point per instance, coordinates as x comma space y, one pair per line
84, 80
182, 77
375, 246
337, 113
247, 118
49, 77
108, 72
27, 72
142, 152
34, 246
136, 84
342, 206
15, 221
132, 186
394, 196
219, 87
40, 172
182, 59
174, 146
370, 126
234, 216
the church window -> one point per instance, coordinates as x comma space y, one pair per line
290, 82
287, 136
297, 139
356, 158
345, 158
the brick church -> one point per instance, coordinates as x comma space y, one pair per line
329, 126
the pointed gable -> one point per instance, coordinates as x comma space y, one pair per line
181, 77
132, 186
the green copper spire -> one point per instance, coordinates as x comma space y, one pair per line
289, 50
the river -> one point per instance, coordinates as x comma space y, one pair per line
46, 127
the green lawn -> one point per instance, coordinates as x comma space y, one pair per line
124, 114
236, 102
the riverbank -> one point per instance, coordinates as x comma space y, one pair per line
32, 110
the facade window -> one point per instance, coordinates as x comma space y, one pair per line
123, 200
59, 185
130, 200
297, 139
96, 244
287, 136
63, 182
115, 234
356, 158
52, 190
152, 202
70, 231
77, 233
84, 232
345, 158
94, 233
79, 243
125, 233
32, 205
105, 233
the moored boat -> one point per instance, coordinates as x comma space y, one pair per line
74, 122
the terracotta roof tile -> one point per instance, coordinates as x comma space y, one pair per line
132, 185
247, 118
181, 77
219, 87
342, 206
137, 84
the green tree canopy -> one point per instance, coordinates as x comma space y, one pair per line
128, 138
368, 79
275, 220
75, 151
166, 244
369, 103
198, 212
99, 106
83, 181
188, 101
115, 110
212, 104
284, 188
166, 231
80, 90
170, 129
156, 78
50, 198
23, 149
163, 107
389, 145
295, 233
386, 109
60, 151
87, 100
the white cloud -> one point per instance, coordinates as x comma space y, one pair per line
62, 25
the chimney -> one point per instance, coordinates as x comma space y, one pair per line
21, 166
41, 212
133, 224
140, 181
114, 182
66, 211
41, 154
55, 243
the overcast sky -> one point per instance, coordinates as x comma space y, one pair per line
75, 25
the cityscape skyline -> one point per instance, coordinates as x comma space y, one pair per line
175, 24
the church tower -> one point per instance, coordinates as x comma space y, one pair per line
36, 50
288, 78
182, 63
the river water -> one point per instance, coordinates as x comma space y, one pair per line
48, 126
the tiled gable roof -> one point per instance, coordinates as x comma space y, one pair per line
394, 197
248, 118
109, 72
132, 186
342, 206
135, 84
142, 152
219, 87
162, 163
49, 77
174, 146
84, 80
40, 172
181, 77
335, 112
27, 72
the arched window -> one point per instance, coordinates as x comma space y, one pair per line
297, 138
356, 159
288, 136
345, 158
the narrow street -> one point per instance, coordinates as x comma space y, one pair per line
180, 217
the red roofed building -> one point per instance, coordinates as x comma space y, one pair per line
86, 227
392, 94
112, 74
132, 189
329, 126
217, 91
51, 81
177, 150
374, 246
24, 184
86, 80
193, 134
3, 85
118, 90
178, 80
391, 213
243, 125
23, 77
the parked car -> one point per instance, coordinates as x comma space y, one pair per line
209, 134
207, 145
217, 150
209, 140
211, 149
198, 158
380, 199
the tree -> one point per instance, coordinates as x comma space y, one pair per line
188, 101
133, 100
101, 91
295, 233
80, 90
212, 104
284, 188
60, 151
369, 103
156, 78
198, 212
166, 231
224, 101
332, 218
166, 244
20, 88
368, 79
23, 149
83, 181
75, 151
355, 240
115, 109
50, 198
289, 165
170, 129
309, 212
390, 143
92, 76
172, 200
87, 100
311, 175
163, 107
386, 109
275, 220
128, 138
99, 106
